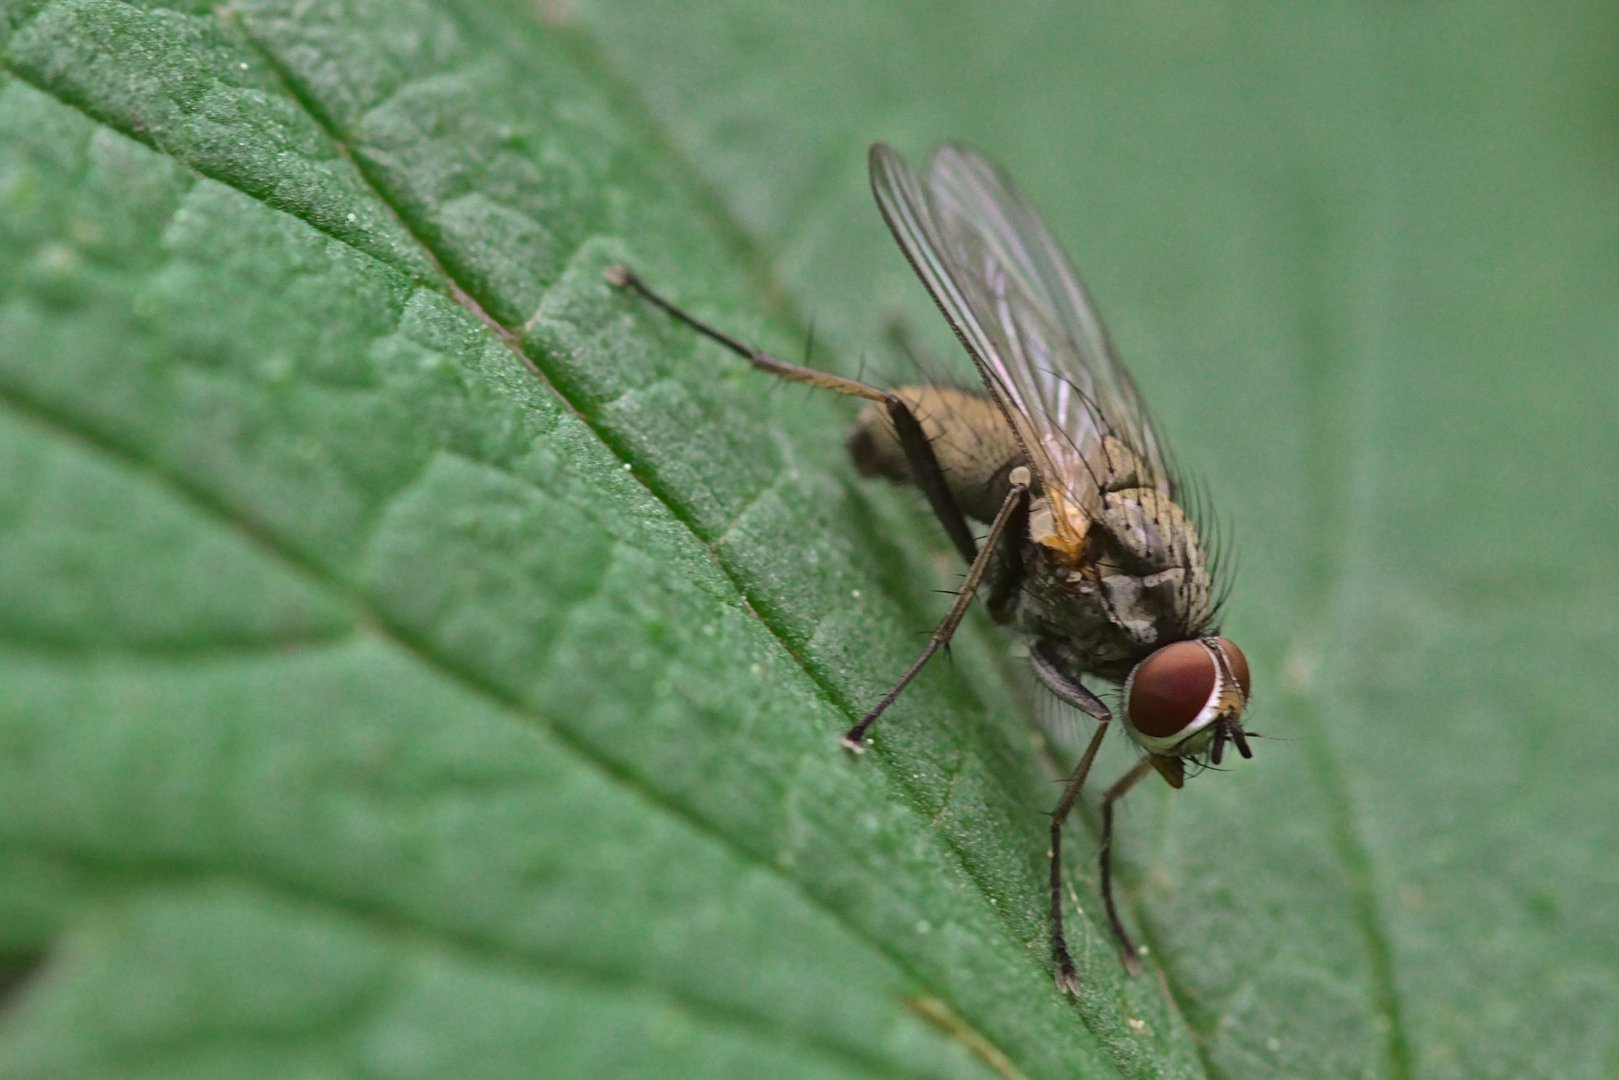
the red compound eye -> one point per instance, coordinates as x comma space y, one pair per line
1172, 686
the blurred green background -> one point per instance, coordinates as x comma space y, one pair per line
416, 660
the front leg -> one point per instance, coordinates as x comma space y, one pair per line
1045, 657
1066, 975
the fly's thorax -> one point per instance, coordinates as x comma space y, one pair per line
1122, 468
1186, 695
1061, 520
1057, 526
975, 448
1140, 582
1149, 530
1154, 558
1065, 602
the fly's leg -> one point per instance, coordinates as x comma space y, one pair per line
1016, 503
1005, 578
929, 476
1111, 796
1069, 689
918, 451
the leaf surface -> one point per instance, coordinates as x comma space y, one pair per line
420, 660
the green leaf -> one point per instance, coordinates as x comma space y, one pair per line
417, 659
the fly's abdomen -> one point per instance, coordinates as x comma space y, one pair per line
972, 442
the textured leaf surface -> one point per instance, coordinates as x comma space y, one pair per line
417, 660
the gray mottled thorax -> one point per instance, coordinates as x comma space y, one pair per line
1146, 586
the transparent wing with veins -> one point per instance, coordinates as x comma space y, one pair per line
1025, 319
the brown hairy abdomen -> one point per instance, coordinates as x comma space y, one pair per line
971, 440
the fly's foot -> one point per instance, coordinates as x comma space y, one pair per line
1067, 978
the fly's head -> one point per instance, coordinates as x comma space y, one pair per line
1186, 700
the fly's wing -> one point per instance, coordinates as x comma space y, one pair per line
1023, 315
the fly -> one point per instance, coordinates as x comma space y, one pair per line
1089, 555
